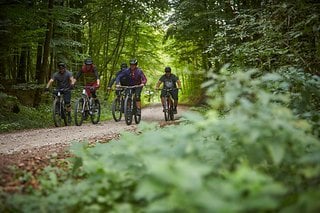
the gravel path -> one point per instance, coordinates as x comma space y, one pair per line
31, 139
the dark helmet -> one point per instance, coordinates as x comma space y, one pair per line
88, 61
124, 65
167, 69
61, 64
134, 61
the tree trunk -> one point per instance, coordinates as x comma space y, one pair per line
22, 69
39, 62
46, 47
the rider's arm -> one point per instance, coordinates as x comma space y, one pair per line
72, 80
179, 84
121, 74
143, 79
78, 75
158, 84
49, 83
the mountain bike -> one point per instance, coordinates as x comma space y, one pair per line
168, 110
87, 106
59, 111
117, 107
130, 107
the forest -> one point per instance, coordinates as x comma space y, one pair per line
250, 70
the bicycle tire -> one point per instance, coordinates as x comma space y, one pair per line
166, 110
137, 118
128, 110
56, 113
79, 112
95, 111
116, 109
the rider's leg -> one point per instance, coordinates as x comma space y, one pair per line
163, 100
174, 95
138, 100
67, 101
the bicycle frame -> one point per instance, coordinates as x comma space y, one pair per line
59, 110
168, 111
118, 105
130, 107
85, 106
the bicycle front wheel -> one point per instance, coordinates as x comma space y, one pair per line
79, 112
171, 114
166, 110
95, 112
128, 110
116, 109
137, 118
57, 113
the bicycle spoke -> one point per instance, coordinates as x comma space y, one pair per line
79, 112
95, 112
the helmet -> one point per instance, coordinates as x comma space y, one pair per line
88, 61
167, 69
134, 61
124, 65
61, 64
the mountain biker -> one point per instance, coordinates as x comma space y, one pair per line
64, 80
135, 76
169, 80
123, 80
90, 77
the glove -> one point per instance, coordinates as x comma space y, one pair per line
46, 89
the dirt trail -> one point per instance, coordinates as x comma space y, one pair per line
32, 139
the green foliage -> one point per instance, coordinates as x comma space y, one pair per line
304, 91
27, 118
255, 156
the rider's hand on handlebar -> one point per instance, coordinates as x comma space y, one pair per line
142, 84
46, 89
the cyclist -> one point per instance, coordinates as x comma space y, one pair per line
64, 80
91, 78
123, 80
169, 80
135, 76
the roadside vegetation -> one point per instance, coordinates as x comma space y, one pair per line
248, 152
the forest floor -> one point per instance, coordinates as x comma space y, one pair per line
29, 151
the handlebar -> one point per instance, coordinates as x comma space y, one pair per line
129, 87
62, 89
168, 89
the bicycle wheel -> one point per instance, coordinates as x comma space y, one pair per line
128, 110
137, 118
166, 110
79, 112
116, 109
56, 113
95, 111
171, 114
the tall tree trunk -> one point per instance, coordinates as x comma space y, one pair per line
22, 69
39, 61
46, 47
